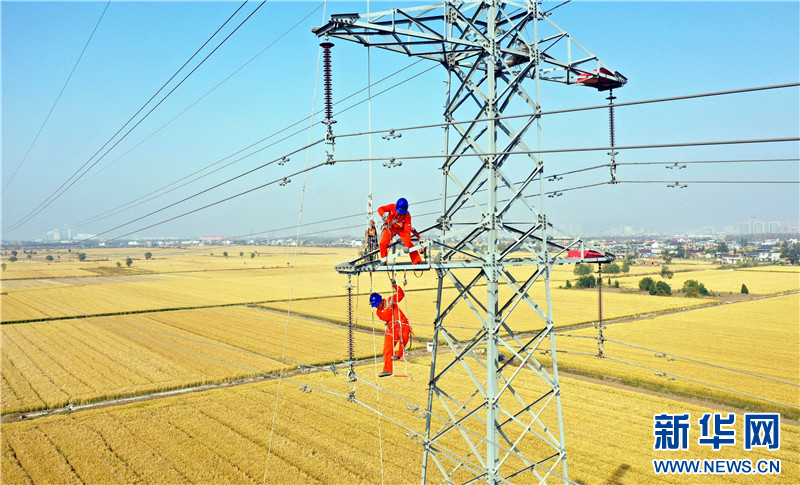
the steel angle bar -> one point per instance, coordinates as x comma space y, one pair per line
510, 304
419, 22
475, 479
463, 93
442, 470
443, 419
513, 446
515, 138
515, 417
468, 88
465, 435
522, 294
453, 416
461, 294
550, 439
458, 460
536, 339
467, 140
514, 87
464, 196
526, 363
447, 474
529, 355
454, 343
533, 469
462, 406
457, 423
469, 25
526, 235
464, 352
463, 362
520, 239
455, 458
453, 250
520, 18
471, 300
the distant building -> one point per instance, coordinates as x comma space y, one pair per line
215, 240
731, 258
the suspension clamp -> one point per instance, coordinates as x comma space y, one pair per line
392, 135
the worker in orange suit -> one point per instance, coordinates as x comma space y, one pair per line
397, 222
372, 238
397, 327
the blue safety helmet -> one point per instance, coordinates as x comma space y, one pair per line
375, 299
402, 206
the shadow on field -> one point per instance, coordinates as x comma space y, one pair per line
616, 477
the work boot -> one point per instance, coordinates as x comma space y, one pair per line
396, 357
385, 373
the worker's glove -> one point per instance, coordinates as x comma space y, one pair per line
393, 282
385, 216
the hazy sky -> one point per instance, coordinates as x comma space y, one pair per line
665, 49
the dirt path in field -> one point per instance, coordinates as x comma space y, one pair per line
608, 381
673, 397
712, 302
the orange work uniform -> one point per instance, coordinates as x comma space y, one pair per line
397, 225
397, 327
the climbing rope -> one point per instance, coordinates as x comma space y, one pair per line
407, 346
294, 269
377, 387
392, 280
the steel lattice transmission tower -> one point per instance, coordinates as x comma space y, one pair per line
492, 231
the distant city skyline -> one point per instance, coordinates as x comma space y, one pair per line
750, 227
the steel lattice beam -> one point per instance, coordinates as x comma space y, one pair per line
490, 49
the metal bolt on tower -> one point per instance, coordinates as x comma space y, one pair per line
492, 231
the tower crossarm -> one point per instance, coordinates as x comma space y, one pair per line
420, 32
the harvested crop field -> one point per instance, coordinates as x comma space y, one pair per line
224, 435
205, 326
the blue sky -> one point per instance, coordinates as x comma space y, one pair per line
664, 48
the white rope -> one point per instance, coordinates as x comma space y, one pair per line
369, 220
377, 387
410, 330
294, 266
369, 123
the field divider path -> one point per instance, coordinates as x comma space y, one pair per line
253, 304
643, 316
12, 417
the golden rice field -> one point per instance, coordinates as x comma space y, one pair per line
227, 436
570, 307
51, 364
760, 337
760, 280
223, 435
223, 281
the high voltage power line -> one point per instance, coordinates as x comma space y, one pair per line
271, 44
147, 197
322, 164
62, 189
35, 138
631, 147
